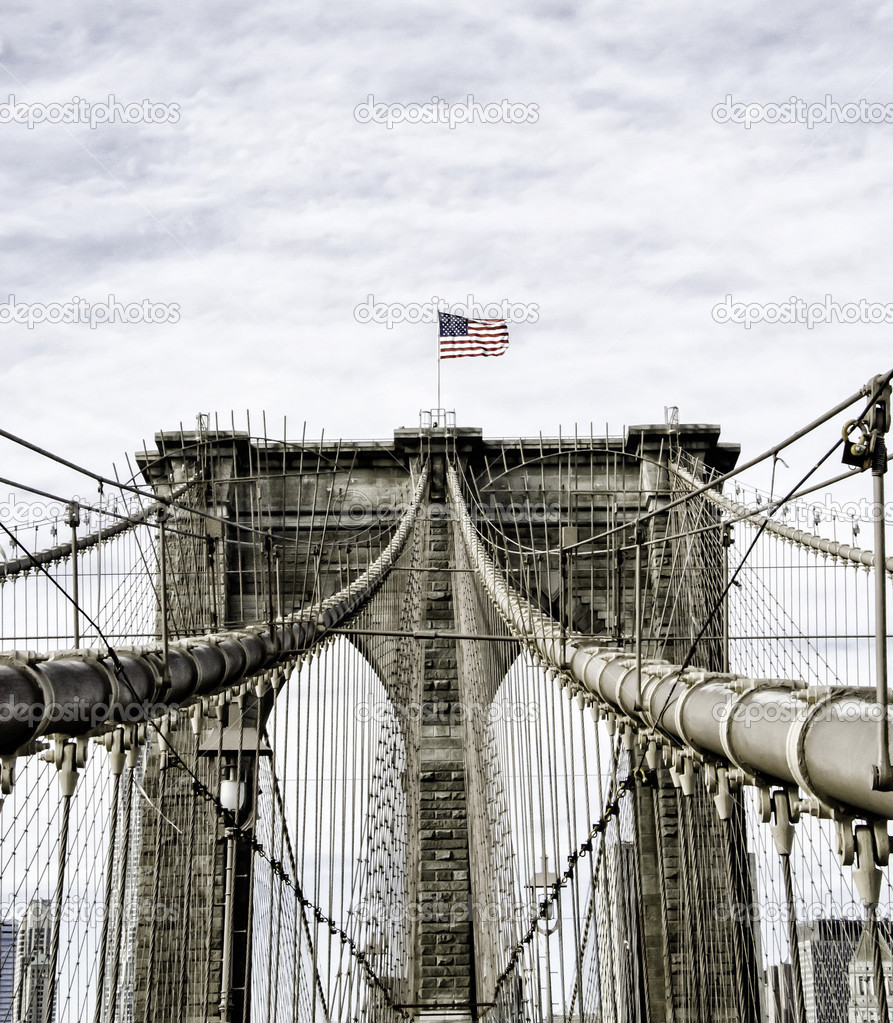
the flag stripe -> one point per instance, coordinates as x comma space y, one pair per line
465, 344
471, 342
447, 353
459, 355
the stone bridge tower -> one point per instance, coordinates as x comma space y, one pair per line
582, 486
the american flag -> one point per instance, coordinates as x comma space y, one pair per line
459, 336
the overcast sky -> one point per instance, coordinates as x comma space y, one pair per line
262, 211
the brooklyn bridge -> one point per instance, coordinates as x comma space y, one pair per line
587, 727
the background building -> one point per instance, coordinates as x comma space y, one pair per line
32, 963
838, 975
7, 969
780, 995
860, 979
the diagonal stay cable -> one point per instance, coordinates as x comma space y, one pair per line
167, 502
759, 532
637, 775
226, 817
873, 389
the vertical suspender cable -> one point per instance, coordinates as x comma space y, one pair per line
74, 520
67, 780
883, 778
125, 861
116, 765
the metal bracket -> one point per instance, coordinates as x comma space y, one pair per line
796, 742
114, 744
846, 846
783, 806
64, 755
867, 871
7, 774
723, 797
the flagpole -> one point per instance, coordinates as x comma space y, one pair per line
437, 322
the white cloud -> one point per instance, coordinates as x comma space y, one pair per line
268, 213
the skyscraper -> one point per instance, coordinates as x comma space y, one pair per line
780, 993
860, 976
7, 969
838, 970
32, 963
